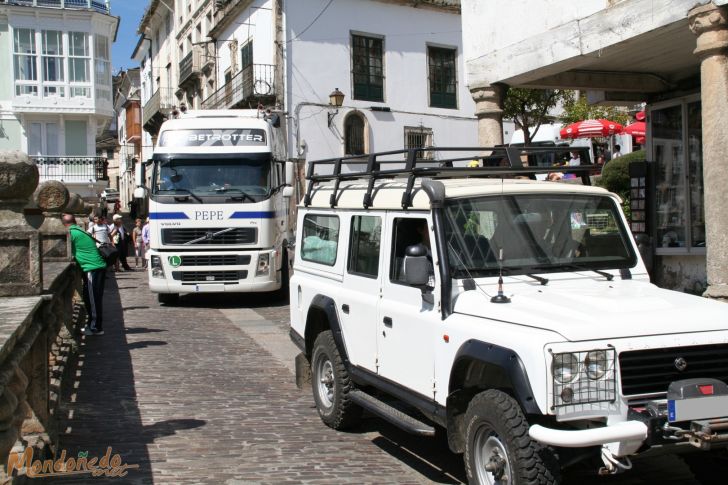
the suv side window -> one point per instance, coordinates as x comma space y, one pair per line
407, 232
320, 239
366, 234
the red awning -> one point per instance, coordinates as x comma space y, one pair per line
591, 129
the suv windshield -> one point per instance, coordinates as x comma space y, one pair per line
245, 178
535, 234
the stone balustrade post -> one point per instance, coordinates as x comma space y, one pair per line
20, 253
52, 198
710, 24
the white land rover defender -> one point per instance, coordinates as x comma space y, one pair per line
515, 314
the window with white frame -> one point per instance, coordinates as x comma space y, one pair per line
418, 137
79, 60
677, 152
103, 67
25, 62
52, 63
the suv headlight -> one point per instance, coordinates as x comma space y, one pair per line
584, 377
565, 367
595, 364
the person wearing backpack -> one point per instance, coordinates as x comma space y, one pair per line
93, 265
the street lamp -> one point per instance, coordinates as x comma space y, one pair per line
336, 99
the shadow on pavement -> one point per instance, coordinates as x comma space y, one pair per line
102, 410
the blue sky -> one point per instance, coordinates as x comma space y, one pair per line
130, 13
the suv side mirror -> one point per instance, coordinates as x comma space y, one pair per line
417, 267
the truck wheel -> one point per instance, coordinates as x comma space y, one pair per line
498, 448
168, 299
331, 385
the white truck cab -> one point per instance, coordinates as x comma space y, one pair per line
218, 204
515, 314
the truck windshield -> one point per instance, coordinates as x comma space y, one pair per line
245, 179
535, 234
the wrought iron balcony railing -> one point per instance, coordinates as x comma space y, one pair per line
201, 57
98, 5
256, 81
71, 169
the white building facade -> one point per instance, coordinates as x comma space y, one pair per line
399, 65
56, 92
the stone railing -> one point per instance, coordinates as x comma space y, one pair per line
39, 307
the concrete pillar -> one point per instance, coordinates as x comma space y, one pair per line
710, 24
489, 111
52, 197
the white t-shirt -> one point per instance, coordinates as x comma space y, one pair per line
100, 232
574, 162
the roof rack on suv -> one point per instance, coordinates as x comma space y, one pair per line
499, 161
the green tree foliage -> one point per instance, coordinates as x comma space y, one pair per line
615, 177
577, 109
529, 108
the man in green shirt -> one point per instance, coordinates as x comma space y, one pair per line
93, 266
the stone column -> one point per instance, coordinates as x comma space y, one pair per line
489, 111
52, 197
710, 24
20, 261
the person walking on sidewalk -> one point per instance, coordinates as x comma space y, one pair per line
136, 237
145, 241
120, 238
94, 274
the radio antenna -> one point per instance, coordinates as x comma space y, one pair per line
500, 297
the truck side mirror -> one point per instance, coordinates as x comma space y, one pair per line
417, 267
287, 191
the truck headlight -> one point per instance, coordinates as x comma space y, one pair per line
584, 377
156, 265
565, 367
263, 264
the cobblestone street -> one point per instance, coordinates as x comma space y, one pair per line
204, 393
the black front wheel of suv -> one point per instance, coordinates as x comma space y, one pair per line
498, 449
331, 385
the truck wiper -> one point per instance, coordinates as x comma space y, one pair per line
187, 191
580, 267
243, 195
509, 269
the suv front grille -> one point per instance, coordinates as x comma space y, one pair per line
238, 235
216, 260
652, 371
209, 276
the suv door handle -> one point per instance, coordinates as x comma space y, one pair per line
387, 322
345, 308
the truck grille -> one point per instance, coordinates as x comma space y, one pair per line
216, 260
209, 276
238, 235
651, 371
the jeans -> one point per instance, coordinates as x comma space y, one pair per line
93, 297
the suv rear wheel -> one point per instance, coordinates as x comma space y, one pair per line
498, 448
331, 384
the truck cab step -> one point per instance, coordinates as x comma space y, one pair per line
388, 413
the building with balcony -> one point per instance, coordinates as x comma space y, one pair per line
195, 51
398, 64
157, 55
56, 90
127, 104
671, 55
